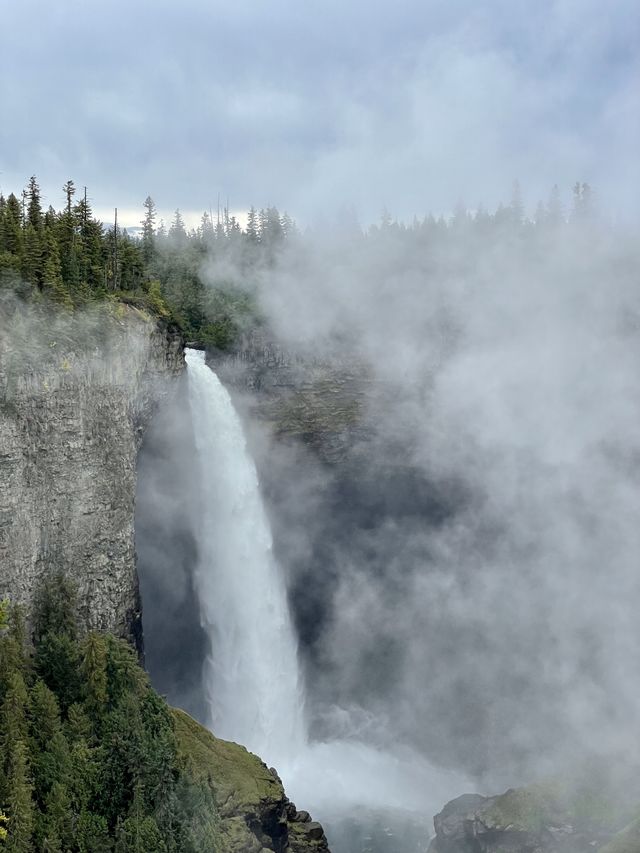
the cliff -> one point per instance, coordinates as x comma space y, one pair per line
559, 816
76, 393
318, 401
255, 816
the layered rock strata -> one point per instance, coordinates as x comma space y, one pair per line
75, 396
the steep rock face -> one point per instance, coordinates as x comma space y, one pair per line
542, 818
255, 814
317, 401
75, 396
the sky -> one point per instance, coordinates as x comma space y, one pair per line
313, 107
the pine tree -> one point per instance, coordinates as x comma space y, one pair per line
13, 713
44, 713
253, 227
52, 277
177, 232
20, 808
55, 607
34, 209
12, 231
92, 834
94, 671
33, 255
57, 656
149, 229
69, 190
12, 646
58, 823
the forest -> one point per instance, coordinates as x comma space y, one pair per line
88, 755
71, 258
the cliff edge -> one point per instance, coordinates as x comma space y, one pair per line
76, 393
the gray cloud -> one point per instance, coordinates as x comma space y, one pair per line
308, 107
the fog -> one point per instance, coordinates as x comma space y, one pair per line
463, 573
498, 634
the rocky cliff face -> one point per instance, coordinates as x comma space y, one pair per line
75, 396
320, 402
555, 817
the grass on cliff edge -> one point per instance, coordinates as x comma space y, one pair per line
240, 780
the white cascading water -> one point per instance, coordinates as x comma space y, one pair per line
252, 683
252, 677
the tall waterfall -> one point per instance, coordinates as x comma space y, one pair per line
251, 675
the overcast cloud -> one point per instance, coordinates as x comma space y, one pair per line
310, 106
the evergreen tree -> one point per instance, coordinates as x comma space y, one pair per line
20, 807
253, 227
57, 820
13, 713
149, 229
57, 656
94, 671
34, 209
12, 646
52, 277
33, 255
11, 228
92, 834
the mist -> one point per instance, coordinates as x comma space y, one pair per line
477, 597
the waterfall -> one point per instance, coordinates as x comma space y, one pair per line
251, 675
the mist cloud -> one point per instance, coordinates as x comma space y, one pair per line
485, 609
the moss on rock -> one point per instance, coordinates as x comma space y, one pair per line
254, 812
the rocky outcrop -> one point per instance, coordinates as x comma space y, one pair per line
320, 402
550, 818
255, 814
76, 392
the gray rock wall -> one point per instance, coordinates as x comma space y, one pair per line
75, 398
319, 402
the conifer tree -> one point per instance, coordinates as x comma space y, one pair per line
13, 712
33, 255
20, 807
94, 671
34, 209
149, 229
11, 227
253, 232
44, 713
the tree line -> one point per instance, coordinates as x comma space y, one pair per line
88, 756
205, 279
69, 257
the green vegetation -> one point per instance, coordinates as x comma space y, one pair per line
588, 801
201, 279
89, 760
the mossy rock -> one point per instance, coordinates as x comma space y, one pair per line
521, 809
303, 838
588, 803
250, 800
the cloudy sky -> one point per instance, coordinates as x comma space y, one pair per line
311, 106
